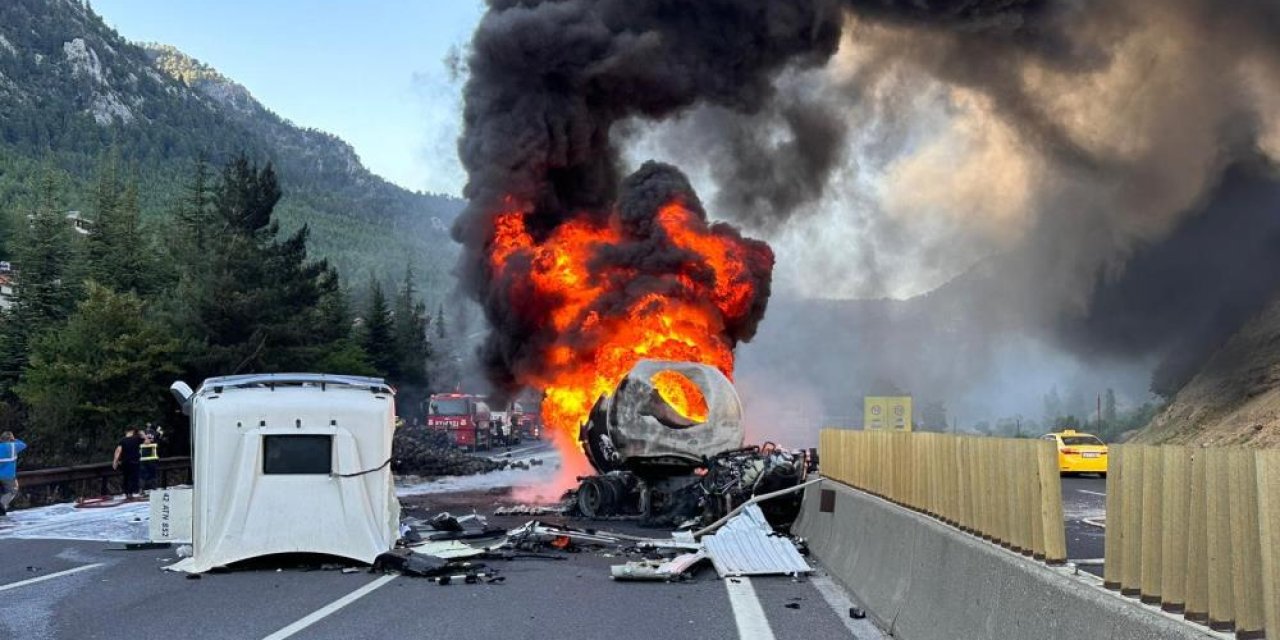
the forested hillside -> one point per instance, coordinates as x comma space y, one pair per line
157, 222
72, 91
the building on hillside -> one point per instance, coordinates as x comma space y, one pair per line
81, 224
8, 282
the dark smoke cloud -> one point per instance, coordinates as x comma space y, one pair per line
549, 81
1132, 233
1093, 140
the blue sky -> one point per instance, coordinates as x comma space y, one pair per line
371, 72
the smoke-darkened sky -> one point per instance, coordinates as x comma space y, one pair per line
1062, 153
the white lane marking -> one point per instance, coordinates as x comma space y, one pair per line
840, 603
747, 612
1092, 493
329, 609
15, 585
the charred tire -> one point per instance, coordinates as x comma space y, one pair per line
597, 498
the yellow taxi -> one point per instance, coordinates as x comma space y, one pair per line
1079, 452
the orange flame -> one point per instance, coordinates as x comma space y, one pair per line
681, 393
601, 330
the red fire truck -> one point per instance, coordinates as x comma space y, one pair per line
464, 417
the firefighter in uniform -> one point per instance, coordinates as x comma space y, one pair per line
150, 450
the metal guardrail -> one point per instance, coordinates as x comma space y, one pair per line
89, 480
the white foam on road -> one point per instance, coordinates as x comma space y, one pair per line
128, 521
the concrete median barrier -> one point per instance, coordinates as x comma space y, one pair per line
921, 579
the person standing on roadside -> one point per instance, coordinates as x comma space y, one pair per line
128, 460
10, 447
150, 457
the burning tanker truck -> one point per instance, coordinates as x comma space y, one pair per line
668, 446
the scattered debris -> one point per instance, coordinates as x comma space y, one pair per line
406, 562
530, 510
747, 546
419, 451
350, 569
792, 605
677, 568
856, 613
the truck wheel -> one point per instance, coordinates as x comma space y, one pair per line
596, 498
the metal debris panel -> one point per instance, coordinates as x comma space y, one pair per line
747, 546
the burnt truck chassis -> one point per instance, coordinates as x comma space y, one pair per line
703, 494
667, 470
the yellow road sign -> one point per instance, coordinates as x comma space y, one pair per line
886, 413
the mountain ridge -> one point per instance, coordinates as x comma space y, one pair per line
71, 86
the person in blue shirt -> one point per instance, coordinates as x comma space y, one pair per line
10, 447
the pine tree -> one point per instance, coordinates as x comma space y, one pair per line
251, 301
45, 294
115, 249
413, 349
443, 366
411, 322
193, 216
105, 369
379, 333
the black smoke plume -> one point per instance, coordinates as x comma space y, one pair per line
1123, 116
548, 83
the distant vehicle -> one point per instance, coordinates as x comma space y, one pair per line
465, 418
1079, 452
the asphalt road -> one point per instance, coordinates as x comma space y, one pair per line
125, 594
1084, 501
53, 589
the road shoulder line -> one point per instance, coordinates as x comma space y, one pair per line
331, 608
24, 583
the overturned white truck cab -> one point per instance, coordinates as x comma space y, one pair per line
290, 463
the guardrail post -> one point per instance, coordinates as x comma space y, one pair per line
1221, 607
1197, 591
1113, 547
1055, 535
1131, 529
1246, 555
1268, 488
1020, 499
1173, 529
1036, 499
1152, 519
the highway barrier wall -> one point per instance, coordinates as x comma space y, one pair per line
1197, 530
922, 579
1005, 490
